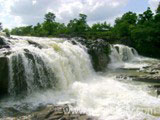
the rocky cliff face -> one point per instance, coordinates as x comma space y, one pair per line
4, 75
99, 51
4, 71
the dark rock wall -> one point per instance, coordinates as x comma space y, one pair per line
4, 75
99, 51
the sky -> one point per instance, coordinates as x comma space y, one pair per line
14, 13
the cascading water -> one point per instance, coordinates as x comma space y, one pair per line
122, 53
123, 56
56, 65
54, 71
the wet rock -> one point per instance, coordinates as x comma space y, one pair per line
4, 76
35, 44
149, 79
98, 50
2, 41
156, 88
51, 112
4, 46
7, 53
58, 113
130, 68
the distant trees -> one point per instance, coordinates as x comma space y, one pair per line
124, 26
50, 17
78, 27
7, 32
141, 31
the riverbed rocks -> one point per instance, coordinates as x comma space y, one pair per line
148, 74
148, 78
3, 43
52, 112
35, 44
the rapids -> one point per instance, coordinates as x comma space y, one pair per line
61, 73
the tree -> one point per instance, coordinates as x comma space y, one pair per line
78, 27
124, 26
158, 9
101, 27
157, 16
146, 16
7, 32
50, 17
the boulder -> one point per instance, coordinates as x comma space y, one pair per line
2, 41
51, 112
35, 44
99, 51
4, 75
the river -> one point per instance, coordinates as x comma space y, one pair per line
54, 71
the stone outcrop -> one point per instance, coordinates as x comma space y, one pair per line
99, 51
51, 112
4, 75
35, 44
3, 43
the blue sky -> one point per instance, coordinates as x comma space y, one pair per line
29, 12
136, 5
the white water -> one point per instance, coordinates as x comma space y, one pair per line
63, 61
125, 57
98, 95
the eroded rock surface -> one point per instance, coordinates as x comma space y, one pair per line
99, 51
52, 112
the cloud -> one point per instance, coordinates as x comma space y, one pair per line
6, 18
29, 12
154, 4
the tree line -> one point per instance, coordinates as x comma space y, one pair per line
141, 31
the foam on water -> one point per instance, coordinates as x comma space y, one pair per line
57, 64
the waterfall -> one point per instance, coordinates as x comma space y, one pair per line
124, 53
42, 63
59, 71
121, 54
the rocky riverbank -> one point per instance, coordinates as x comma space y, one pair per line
149, 74
51, 112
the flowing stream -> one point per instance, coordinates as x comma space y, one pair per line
54, 71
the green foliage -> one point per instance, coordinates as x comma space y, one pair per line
158, 9
50, 17
78, 27
7, 32
24, 31
147, 16
140, 31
